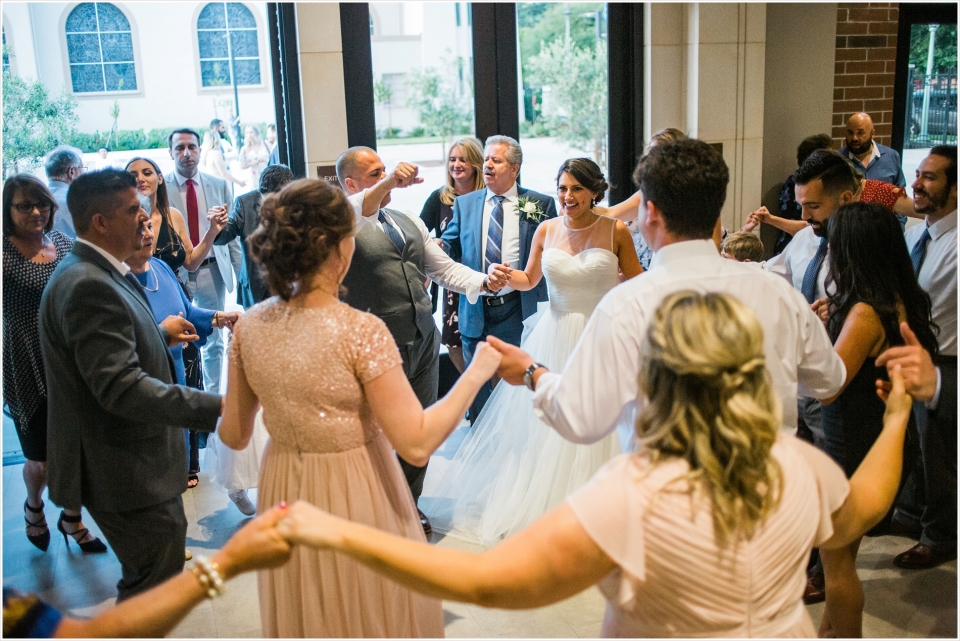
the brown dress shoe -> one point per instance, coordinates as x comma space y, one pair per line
815, 591
921, 557
425, 522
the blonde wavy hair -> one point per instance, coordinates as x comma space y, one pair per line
472, 150
711, 403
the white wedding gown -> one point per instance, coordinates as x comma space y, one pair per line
512, 468
235, 470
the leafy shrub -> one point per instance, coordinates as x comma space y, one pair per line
417, 132
130, 140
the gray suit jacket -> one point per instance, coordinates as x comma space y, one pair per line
244, 219
216, 191
62, 220
114, 414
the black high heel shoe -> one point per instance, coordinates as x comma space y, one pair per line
92, 546
41, 541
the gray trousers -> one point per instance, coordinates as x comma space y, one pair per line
207, 290
149, 543
421, 364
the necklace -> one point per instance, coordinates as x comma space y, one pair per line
156, 282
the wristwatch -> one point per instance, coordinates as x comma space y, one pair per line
528, 374
483, 286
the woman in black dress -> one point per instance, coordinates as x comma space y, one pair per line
876, 290
173, 247
32, 249
464, 174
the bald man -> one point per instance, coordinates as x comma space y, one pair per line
876, 161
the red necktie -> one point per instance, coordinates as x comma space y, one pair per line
193, 214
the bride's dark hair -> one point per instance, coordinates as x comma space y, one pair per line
587, 174
300, 226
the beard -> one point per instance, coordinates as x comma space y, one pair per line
819, 228
862, 148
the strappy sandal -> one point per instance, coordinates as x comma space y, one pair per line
193, 480
41, 541
93, 546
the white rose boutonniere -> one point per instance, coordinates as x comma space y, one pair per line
530, 210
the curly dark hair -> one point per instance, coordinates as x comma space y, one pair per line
587, 174
299, 227
32, 187
811, 144
869, 263
687, 179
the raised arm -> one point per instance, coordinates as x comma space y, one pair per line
196, 255
404, 175
763, 215
530, 277
625, 211
626, 251
547, 562
416, 432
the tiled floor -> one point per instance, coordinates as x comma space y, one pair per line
899, 603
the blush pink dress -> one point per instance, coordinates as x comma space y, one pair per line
672, 579
308, 367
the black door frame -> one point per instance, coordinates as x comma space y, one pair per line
285, 64
625, 96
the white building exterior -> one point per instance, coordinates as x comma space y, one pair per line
168, 93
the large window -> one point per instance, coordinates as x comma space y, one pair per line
100, 49
563, 76
227, 32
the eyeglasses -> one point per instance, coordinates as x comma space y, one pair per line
26, 208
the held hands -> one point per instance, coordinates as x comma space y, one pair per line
899, 403
762, 215
228, 319
819, 308
498, 276
179, 329
307, 525
485, 361
919, 374
217, 217
405, 174
513, 360
259, 544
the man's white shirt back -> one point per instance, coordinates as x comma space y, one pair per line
597, 391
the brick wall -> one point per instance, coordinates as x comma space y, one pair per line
865, 64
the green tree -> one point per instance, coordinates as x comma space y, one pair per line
383, 95
944, 48
444, 109
575, 109
34, 122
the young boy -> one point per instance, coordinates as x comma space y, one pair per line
743, 247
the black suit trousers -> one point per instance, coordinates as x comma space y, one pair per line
421, 364
149, 543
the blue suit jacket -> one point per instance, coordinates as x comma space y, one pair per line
463, 241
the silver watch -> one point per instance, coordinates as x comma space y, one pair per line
528, 374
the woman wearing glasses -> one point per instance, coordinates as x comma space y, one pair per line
32, 249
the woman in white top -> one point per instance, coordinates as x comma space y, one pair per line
704, 532
253, 155
211, 158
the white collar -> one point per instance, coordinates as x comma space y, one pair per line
510, 195
684, 250
117, 265
182, 180
943, 225
874, 154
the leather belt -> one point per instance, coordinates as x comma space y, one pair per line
207, 261
497, 301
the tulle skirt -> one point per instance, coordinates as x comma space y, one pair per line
512, 468
237, 470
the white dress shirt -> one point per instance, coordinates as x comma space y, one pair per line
792, 262
938, 276
597, 391
120, 266
439, 267
202, 209
510, 243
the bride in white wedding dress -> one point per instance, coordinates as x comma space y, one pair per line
511, 468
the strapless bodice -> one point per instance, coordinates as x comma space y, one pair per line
576, 283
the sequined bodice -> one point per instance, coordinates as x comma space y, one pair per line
308, 367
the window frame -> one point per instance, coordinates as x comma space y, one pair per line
263, 46
65, 57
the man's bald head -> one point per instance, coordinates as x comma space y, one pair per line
349, 163
860, 133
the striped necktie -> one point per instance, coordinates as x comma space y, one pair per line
391, 233
494, 235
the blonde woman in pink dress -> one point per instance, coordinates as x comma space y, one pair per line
336, 404
705, 532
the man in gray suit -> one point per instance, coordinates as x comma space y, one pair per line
393, 259
194, 194
115, 442
244, 221
63, 165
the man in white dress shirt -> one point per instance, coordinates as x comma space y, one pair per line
683, 186
931, 495
394, 257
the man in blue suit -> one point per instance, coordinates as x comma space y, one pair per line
490, 226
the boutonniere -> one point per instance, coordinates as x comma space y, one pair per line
530, 210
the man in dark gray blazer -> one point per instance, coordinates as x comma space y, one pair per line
244, 220
115, 443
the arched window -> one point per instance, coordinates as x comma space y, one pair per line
100, 48
226, 28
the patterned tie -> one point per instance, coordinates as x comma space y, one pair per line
391, 233
809, 286
493, 254
137, 286
919, 251
193, 213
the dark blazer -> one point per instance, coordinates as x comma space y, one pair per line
115, 415
244, 219
463, 241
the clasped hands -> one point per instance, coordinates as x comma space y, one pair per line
498, 276
180, 330
217, 217
753, 221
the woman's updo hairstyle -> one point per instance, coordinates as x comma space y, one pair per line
711, 403
300, 226
587, 174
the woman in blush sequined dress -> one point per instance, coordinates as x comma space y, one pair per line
336, 404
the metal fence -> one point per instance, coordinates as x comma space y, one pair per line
931, 109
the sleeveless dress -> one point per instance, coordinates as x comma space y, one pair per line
512, 468
308, 367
